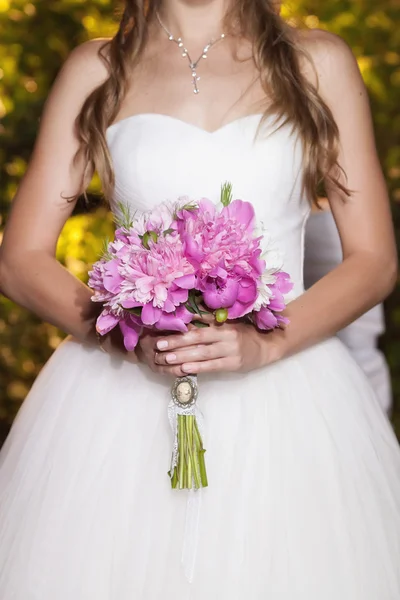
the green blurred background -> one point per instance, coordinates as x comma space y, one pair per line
35, 39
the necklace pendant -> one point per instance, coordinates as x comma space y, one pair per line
185, 54
195, 79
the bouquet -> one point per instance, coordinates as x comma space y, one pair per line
169, 267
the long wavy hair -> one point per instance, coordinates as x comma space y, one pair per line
277, 55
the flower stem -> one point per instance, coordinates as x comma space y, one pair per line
190, 472
200, 454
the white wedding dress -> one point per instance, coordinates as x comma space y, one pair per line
303, 500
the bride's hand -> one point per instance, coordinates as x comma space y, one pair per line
227, 347
148, 353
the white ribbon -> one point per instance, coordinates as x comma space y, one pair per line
191, 535
193, 506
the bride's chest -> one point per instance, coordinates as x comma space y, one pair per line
156, 157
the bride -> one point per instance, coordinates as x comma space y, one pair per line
303, 500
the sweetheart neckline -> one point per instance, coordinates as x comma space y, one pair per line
184, 123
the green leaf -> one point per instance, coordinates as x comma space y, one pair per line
137, 310
190, 309
105, 253
226, 193
190, 206
125, 218
149, 235
197, 298
192, 302
194, 307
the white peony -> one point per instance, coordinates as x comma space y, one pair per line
273, 261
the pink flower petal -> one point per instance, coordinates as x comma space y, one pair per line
130, 303
192, 249
131, 332
243, 212
150, 314
186, 282
239, 310
178, 296
283, 282
169, 306
105, 322
170, 322
183, 314
206, 206
144, 284
218, 271
277, 302
265, 319
247, 292
112, 279
221, 297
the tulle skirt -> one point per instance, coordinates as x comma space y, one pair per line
303, 500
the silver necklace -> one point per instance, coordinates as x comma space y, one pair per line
192, 63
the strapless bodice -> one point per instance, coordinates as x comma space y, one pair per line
159, 158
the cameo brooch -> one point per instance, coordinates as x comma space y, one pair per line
184, 392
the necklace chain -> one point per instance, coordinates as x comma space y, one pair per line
185, 54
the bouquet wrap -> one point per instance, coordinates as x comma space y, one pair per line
188, 469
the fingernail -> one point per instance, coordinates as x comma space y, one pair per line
170, 358
162, 344
187, 368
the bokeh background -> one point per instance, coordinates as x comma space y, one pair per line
36, 37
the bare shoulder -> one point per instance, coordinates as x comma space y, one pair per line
84, 70
330, 59
87, 64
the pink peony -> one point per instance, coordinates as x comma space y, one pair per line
159, 274
222, 248
144, 281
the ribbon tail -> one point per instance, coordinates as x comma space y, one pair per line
188, 469
191, 537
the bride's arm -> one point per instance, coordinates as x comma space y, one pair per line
29, 272
369, 269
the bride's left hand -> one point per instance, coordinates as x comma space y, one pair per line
227, 347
